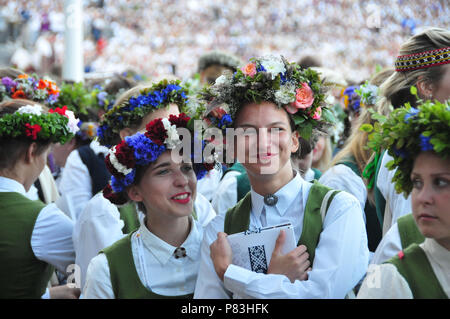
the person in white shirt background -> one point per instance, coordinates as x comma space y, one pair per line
341, 255
27, 266
432, 83
100, 224
423, 172
161, 258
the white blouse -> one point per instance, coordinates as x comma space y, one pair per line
156, 265
75, 185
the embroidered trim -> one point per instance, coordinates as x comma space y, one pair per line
422, 60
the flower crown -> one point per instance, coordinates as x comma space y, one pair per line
270, 78
135, 108
140, 150
57, 126
29, 87
407, 132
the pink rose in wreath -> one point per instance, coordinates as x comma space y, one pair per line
304, 98
249, 69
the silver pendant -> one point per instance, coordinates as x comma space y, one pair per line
270, 199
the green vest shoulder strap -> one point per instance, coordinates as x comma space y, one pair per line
418, 273
409, 232
125, 280
319, 199
380, 201
22, 275
129, 215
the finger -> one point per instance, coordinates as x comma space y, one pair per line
279, 243
298, 251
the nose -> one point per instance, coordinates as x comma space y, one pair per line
180, 179
425, 195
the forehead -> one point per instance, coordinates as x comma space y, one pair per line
262, 115
430, 163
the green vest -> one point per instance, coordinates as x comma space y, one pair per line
243, 184
380, 201
418, 273
22, 275
237, 218
373, 226
409, 232
129, 215
125, 280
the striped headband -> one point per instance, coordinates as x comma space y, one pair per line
422, 60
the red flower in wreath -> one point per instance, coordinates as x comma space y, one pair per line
59, 110
118, 199
125, 155
156, 131
179, 121
32, 130
19, 94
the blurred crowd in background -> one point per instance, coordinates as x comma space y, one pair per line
156, 38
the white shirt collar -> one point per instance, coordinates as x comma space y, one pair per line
285, 195
164, 251
11, 185
440, 254
97, 148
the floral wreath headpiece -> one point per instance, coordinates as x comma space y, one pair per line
57, 126
299, 91
29, 87
422, 60
357, 96
135, 108
141, 149
407, 132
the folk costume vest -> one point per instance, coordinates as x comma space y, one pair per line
319, 199
409, 232
125, 280
415, 268
22, 275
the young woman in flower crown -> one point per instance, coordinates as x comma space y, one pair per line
161, 258
34, 238
421, 159
273, 102
101, 223
423, 62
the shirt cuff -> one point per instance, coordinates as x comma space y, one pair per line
46, 295
236, 279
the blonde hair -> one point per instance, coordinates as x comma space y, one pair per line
395, 91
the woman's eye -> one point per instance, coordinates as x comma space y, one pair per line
162, 172
441, 182
417, 183
187, 168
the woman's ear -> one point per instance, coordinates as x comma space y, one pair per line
134, 193
295, 142
30, 153
425, 88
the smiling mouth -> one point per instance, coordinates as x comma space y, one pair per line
182, 198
